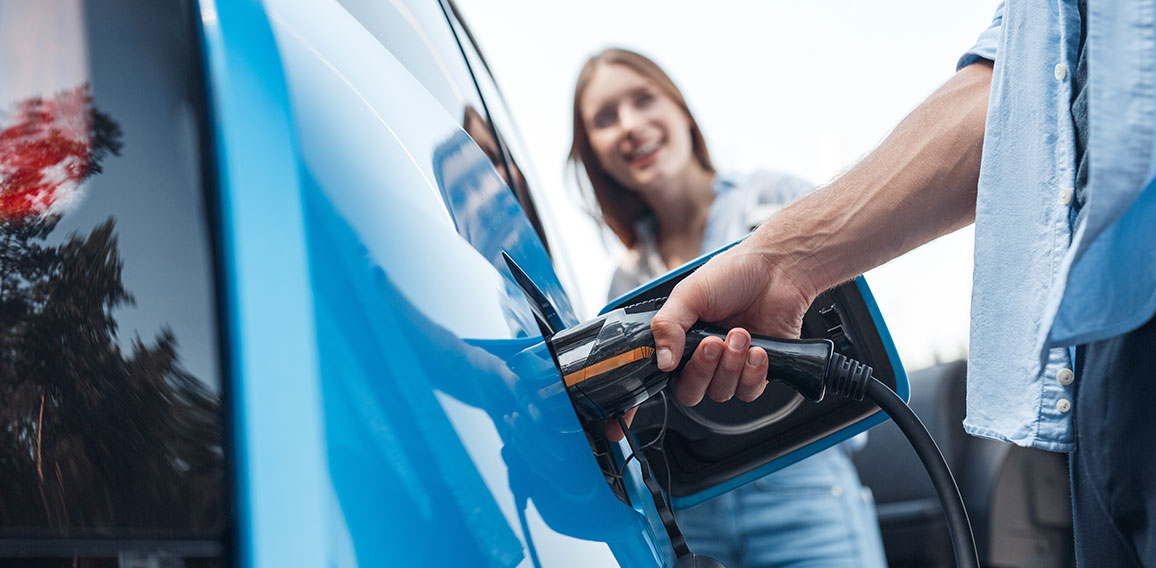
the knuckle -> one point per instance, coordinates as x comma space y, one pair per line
732, 362
752, 380
687, 394
720, 392
757, 390
660, 327
722, 388
697, 373
721, 395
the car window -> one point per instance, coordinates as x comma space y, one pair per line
503, 139
414, 33
111, 420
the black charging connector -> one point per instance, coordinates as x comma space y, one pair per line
609, 366
848, 377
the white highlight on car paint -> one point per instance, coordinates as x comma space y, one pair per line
282, 24
483, 444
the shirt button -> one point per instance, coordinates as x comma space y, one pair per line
1061, 71
1065, 196
1065, 376
1064, 405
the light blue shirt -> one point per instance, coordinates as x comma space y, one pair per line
740, 203
1041, 286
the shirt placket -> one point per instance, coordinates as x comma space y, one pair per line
1057, 377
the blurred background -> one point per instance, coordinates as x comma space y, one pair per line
801, 87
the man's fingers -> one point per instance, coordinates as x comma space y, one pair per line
670, 324
730, 366
754, 377
696, 376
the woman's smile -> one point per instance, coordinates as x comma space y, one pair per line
644, 155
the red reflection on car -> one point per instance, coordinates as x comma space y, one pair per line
44, 152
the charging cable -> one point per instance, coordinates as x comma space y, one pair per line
608, 366
813, 368
853, 379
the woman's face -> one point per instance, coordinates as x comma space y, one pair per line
639, 135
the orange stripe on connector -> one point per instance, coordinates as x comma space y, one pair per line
610, 364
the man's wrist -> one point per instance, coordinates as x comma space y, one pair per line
793, 250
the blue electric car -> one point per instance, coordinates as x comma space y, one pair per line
274, 292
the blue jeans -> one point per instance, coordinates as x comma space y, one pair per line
813, 513
1114, 466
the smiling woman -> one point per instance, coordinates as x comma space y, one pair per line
650, 171
626, 111
791, 86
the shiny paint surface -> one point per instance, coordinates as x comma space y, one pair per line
390, 396
395, 400
282, 482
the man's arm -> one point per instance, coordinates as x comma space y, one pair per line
919, 184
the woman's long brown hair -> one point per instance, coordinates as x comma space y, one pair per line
620, 207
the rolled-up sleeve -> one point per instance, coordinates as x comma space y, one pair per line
988, 43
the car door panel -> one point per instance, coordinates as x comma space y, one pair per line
441, 403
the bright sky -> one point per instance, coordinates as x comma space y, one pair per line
801, 87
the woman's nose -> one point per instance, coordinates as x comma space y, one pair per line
628, 119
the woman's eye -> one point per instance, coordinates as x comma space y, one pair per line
644, 100
604, 119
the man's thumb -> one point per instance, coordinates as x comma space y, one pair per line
669, 327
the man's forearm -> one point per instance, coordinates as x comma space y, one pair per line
919, 184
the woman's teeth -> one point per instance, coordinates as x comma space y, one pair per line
644, 150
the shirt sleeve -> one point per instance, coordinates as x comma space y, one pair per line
770, 191
777, 188
623, 281
987, 44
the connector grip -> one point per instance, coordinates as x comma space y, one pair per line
801, 363
848, 377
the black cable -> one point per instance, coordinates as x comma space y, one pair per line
656, 442
622, 470
962, 540
665, 513
661, 431
659, 439
852, 379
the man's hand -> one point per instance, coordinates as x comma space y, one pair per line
920, 183
749, 287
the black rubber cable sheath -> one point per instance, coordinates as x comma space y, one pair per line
962, 539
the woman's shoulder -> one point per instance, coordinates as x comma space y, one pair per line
769, 186
640, 263
747, 199
634, 269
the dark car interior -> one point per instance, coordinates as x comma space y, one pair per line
1017, 498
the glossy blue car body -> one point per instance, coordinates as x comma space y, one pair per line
395, 403
257, 281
